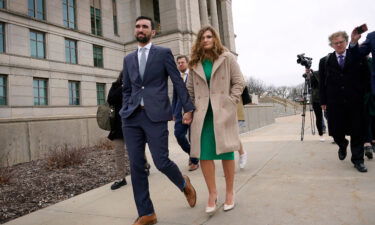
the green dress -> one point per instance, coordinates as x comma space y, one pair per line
208, 145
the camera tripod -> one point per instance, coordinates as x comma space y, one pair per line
307, 103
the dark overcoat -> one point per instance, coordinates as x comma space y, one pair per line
342, 91
115, 99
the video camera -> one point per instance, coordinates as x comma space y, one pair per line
304, 61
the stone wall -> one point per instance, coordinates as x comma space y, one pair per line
23, 140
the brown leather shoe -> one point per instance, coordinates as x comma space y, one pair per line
189, 192
146, 220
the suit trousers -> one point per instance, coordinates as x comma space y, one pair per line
319, 117
138, 130
356, 146
180, 132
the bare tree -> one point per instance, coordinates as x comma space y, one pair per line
256, 86
295, 92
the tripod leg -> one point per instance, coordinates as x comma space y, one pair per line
303, 121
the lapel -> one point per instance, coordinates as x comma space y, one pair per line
334, 62
136, 75
348, 59
216, 65
150, 58
199, 71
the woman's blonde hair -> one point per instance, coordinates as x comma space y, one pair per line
198, 53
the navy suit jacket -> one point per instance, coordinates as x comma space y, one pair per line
176, 105
154, 86
363, 50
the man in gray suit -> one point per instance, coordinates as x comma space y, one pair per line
145, 112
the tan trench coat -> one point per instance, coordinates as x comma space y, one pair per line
226, 86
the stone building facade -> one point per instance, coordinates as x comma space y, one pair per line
59, 57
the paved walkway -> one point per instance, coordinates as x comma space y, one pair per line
286, 182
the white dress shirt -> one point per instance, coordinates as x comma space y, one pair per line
147, 47
337, 56
184, 75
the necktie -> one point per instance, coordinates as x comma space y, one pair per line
341, 61
142, 62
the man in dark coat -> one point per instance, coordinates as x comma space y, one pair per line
313, 77
342, 87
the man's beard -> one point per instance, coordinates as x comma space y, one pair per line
143, 39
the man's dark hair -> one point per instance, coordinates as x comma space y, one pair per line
146, 18
182, 56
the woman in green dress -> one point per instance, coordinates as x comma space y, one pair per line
215, 84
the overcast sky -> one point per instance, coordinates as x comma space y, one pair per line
270, 33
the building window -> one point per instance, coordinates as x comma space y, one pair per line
3, 90
2, 37
96, 23
98, 56
40, 91
100, 93
115, 25
37, 44
2, 4
71, 51
36, 9
69, 13
74, 93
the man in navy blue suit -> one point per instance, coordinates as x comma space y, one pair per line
364, 49
180, 129
145, 112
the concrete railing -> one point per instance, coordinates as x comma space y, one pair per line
257, 116
23, 140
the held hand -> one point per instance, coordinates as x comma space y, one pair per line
324, 107
188, 118
355, 36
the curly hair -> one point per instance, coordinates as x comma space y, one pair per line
198, 53
342, 34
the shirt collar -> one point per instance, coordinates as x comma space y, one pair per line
344, 54
186, 71
147, 47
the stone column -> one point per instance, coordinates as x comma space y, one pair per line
228, 31
203, 12
214, 17
137, 11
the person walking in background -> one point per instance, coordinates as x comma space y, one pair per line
369, 121
342, 88
180, 129
145, 112
313, 76
242, 159
362, 50
215, 84
121, 156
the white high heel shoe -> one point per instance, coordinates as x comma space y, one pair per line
229, 207
212, 210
